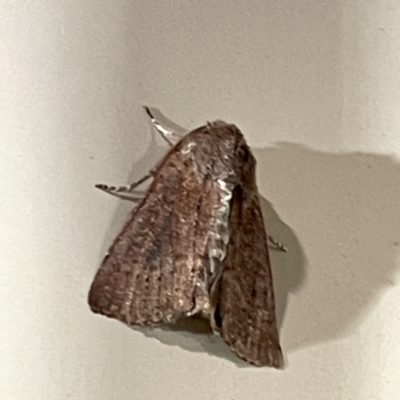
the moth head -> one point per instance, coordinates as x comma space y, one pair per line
219, 150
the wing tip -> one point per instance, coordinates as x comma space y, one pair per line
259, 355
274, 359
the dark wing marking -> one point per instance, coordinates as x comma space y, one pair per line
246, 309
156, 268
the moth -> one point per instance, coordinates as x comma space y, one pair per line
196, 245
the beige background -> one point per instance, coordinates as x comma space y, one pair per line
315, 87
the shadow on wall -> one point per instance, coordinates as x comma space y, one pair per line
346, 214
342, 231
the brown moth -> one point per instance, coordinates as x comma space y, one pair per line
196, 245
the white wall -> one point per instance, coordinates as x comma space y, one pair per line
320, 77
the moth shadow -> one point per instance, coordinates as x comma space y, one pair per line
347, 216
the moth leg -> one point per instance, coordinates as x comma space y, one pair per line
123, 189
277, 244
201, 302
165, 133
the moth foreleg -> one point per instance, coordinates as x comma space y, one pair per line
123, 189
165, 133
280, 246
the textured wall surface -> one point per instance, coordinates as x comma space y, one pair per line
315, 87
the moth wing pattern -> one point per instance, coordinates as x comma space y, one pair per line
155, 270
246, 297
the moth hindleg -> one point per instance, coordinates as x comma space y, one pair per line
280, 246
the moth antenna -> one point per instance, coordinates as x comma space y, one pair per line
122, 189
148, 112
164, 132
